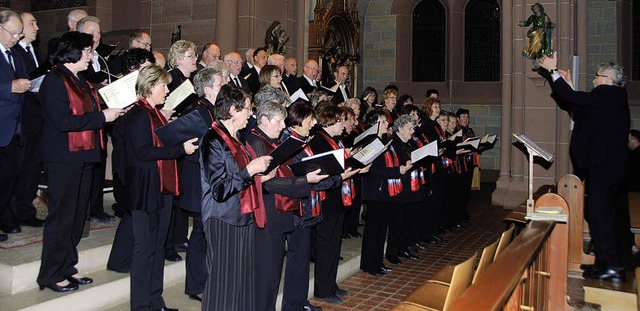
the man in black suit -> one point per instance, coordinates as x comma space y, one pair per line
340, 74
308, 81
260, 57
210, 53
289, 75
97, 73
138, 39
247, 65
30, 165
599, 153
234, 62
13, 85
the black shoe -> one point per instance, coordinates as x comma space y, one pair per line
172, 256
431, 240
341, 292
393, 259
102, 217
197, 297
331, 299
374, 273
419, 246
32, 222
60, 289
167, 309
438, 237
341, 259
3, 237
80, 281
311, 307
355, 234
182, 247
408, 255
589, 268
385, 270
616, 275
10, 228
345, 236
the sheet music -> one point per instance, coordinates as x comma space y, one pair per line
370, 152
122, 92
472, 142
456, 135
35, 84
178, 95
533, 147
370, 131
299, 94
338, 154
430, 149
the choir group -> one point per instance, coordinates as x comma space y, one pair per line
248, 215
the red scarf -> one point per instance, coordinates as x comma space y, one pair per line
167, 169
283, 203
348, 191
394, 185
316, 196
202, 103
80, 103
250, 197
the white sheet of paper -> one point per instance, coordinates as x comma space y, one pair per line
431, 149
472, 141
178, 95
35, 84
454, 136
370, 131
369, 153
122, 92
299, 94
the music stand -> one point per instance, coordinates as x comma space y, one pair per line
534, 150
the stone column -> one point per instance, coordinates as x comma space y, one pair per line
227, 25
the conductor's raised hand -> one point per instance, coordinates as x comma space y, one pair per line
549, 63
258, 165
189, 146
315, 176
110, 114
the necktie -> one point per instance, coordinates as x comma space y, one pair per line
10, 59
237, 82
33, 57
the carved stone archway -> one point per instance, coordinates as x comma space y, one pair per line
334, 37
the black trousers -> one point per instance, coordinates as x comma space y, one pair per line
328, 237
296, 275
67, 200
147, 264
177, 229
269, 253
352, 215
122, 248
395, 239
8, 175
29, 171
412, 222
375, 232
602, 209
96, 200
196, 259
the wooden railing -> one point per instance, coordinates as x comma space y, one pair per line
525, 276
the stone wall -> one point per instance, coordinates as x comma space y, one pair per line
378, 44
487, 120
601, 35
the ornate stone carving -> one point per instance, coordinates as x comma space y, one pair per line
41, 5
276, 39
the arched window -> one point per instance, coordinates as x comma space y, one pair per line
482, 41
635, 61
429, 44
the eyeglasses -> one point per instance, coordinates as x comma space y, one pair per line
89, 50
145, 44
237, 62
599, 75
191, 56
13, 35
276, 76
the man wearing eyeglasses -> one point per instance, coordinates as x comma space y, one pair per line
30, 165
234, 62
13, 85
341, 75
599, 153
139, 39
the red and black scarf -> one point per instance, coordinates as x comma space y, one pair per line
80, 102
167, 169
283, 203
348, 191
250, 197
394, 185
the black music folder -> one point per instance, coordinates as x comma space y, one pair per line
182, 129
284, 151
329, 163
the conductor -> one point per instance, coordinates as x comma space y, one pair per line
597, 149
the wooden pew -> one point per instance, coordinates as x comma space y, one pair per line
571, 188
634, 214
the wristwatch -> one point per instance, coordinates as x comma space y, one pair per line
552, 71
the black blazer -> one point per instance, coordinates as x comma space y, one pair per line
58, 120
337, 97
32, 110
599, 137
333, 200
244, 84
94, 76
291, 82
253, 80
304, 85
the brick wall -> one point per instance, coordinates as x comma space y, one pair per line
601, 35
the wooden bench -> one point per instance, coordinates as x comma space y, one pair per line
634, 214
516, 216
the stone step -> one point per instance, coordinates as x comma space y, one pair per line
612, 296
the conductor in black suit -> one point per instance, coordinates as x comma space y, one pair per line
599, 152
30, 165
